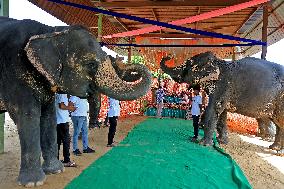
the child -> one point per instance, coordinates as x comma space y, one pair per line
62, 119
196, 107
160, 100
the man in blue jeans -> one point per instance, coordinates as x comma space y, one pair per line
79, 119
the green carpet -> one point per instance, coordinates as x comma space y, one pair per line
157, 154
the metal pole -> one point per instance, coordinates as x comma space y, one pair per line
264, 31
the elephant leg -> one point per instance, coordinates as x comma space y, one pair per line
48, 140
202, 119
279, 139
264, 125
222, 128
27, 119
210, 125
94, 109
214, 110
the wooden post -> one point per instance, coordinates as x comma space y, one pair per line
233, 54
264, 31
4, 11
129, 52
2, 121
100, 24
4, 7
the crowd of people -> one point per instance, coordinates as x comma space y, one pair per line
194, 97
78, 109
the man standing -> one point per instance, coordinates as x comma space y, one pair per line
62, 119
160, 93
113, 113
196, 107
79, 119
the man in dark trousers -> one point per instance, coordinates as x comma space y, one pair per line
113, 113
196, 108
62, 117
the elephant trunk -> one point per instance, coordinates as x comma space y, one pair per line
126, 72
108, 82
175, 72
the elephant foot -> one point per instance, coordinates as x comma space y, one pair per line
31, 178
53, 166
280, 152
207, 142
275, 146
222, 140
266, 137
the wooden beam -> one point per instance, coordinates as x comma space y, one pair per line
156, 18
264, 31
157, 4
248, 17
198, 12
172, 35
129, 52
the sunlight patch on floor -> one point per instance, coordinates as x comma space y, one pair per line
274, 160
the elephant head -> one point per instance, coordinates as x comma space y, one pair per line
73, 62
200, 68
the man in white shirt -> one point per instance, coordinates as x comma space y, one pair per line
196, 108
79, 119
113, 113
62, 119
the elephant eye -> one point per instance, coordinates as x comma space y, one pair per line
91, 43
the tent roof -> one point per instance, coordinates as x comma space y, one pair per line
244, 23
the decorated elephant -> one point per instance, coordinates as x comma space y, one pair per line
249, 86
38, 60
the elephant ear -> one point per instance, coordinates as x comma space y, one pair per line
45, 54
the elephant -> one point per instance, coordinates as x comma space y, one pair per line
249, 86
37, 61
126, 72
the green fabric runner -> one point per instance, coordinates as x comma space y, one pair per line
158, 154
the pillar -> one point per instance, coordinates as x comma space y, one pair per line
264, 31
4, 11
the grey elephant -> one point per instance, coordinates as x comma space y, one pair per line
126, 72
38, 60
249, 86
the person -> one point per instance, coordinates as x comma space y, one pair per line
62, 120
196, 108
79, 119
186, 101
113, 113
160, 93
